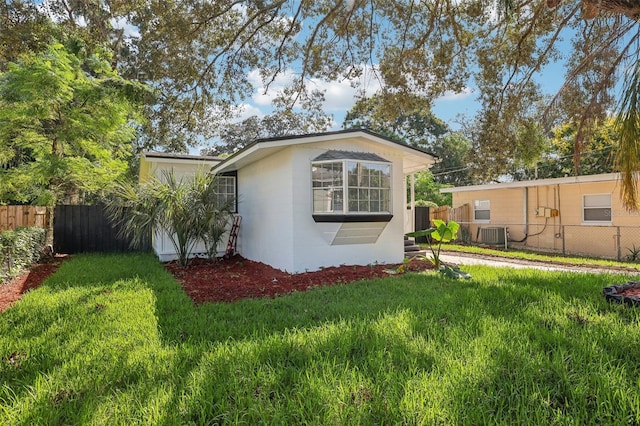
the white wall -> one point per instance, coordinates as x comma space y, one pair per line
312, 248
266, 206
275, 200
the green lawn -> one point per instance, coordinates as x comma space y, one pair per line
114, 340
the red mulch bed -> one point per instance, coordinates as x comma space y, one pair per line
224, 280
14, 289
238, 278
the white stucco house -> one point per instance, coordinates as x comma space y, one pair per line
312, 201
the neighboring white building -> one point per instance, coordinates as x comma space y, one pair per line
313, 201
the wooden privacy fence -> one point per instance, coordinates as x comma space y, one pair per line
446, 213
12, 217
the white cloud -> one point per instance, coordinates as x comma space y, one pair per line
466, 93
264, 97
246, 111
340, 94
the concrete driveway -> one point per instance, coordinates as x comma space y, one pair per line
458, 258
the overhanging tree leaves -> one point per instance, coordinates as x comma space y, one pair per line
199, 54
284, 121
557, 159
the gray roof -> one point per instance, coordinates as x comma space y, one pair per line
349, 155
180, 156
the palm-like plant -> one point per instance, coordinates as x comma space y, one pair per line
185, 210
442, 232
213, 213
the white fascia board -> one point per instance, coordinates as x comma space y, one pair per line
606, 177
416, 159
249, 155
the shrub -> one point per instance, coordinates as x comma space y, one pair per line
19, 249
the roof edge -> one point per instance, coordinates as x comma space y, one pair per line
359, 131
604, 177
343, 132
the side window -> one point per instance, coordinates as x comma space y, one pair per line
481, 210
226, 191
328, 187
596, 208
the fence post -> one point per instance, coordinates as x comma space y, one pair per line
618, 243
564, 252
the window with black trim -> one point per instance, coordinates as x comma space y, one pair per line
351, 187
225, 187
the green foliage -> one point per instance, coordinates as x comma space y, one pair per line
205, 57
452, 169
427, 190
186, 210
66, 125
557, 160
441, 233
19, 249
424, 203
634, 254
23, 28
400, 116
627, 158
506, 347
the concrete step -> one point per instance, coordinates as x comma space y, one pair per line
409, 241
412, 254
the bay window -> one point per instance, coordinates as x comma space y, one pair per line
352, 187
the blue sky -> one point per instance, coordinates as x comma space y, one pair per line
341, 96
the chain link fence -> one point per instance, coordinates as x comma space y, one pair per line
611, 242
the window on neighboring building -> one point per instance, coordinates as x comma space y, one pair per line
351, 186
596, 208
226, 190
481, 210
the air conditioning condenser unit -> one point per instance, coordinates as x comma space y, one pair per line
494, 235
